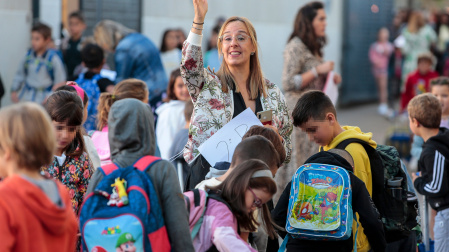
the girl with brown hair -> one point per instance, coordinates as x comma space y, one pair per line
238, 84
129, 88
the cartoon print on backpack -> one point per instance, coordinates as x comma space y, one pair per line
119, 197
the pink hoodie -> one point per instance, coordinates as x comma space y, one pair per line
101, 142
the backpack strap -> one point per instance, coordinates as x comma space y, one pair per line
49, 66
108, 169
197, 201
146, 162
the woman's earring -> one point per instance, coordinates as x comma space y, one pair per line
252, 53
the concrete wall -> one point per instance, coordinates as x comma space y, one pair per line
15, 24
273, 21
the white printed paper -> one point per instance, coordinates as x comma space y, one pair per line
331, 89
220, 146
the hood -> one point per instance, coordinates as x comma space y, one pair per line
131, 131
440, 141
219, 169
329, 158
351, 132
53, 218
169, 105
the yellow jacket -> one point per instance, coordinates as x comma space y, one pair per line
362, 169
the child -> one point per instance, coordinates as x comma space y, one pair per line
40, 71
440, 89
129, 88
361, 203
379, 55
90, 147
425, 115
131, 129
179, 142
35, 212
315, 114
92, 82
246, 189
71, 165
418, 82
170, 119
170, 53
71, 46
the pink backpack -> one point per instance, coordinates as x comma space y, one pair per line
101, 142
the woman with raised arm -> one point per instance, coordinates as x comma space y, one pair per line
238, 84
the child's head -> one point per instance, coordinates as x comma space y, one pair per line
169, 40
248, 187
177, 90
129, 88
425, 61
383, 35
40, 37
92, 56
27, 137
272, 136
424, 110
73, 87
315, 114
440, 88
76, 24
256, 147
66, 112
188, 110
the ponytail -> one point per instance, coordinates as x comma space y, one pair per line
104, 105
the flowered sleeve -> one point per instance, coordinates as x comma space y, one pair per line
192, 67
285, 127
86, 170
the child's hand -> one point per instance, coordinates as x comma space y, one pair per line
337, 78
415, 176
14, 97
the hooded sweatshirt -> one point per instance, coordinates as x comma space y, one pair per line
433, 164
361, 203
30, 221
169, 121
131, 136
362, 168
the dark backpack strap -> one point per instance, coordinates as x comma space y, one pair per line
145, 162
108, 169
214, 195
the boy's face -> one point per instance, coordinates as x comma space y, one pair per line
76, 27
424, 66
319, 131
442, 94
38, 42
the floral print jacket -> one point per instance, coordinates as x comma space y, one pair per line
213, 108
75, 174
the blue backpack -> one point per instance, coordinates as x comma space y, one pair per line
92, 90
320, 205
124, 212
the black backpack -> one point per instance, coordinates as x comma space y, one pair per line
397, 206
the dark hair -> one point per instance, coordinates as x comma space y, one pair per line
233, 191
171, 85
78, 15
65, 106
73, 90
312, 104
440, 81
92, 56
163, 46
188, 110
42, 29
129, 88
272, 136
256, 147
215, 30
303, 28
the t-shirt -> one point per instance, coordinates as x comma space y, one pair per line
61, 159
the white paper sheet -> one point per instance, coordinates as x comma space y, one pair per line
220, 146
331, 89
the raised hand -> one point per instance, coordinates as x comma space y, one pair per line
200, 7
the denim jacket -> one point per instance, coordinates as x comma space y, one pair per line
136, 56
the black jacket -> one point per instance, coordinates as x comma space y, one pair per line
361, 203
433, 165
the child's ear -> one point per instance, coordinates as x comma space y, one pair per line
331, 118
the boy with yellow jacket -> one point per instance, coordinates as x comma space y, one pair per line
315, 114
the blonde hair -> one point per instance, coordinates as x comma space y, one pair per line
426, 109
129, 88
256, 81
415, 22
26, 130
108, 33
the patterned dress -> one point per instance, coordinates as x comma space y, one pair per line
75, 174
298, 59
213, 108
